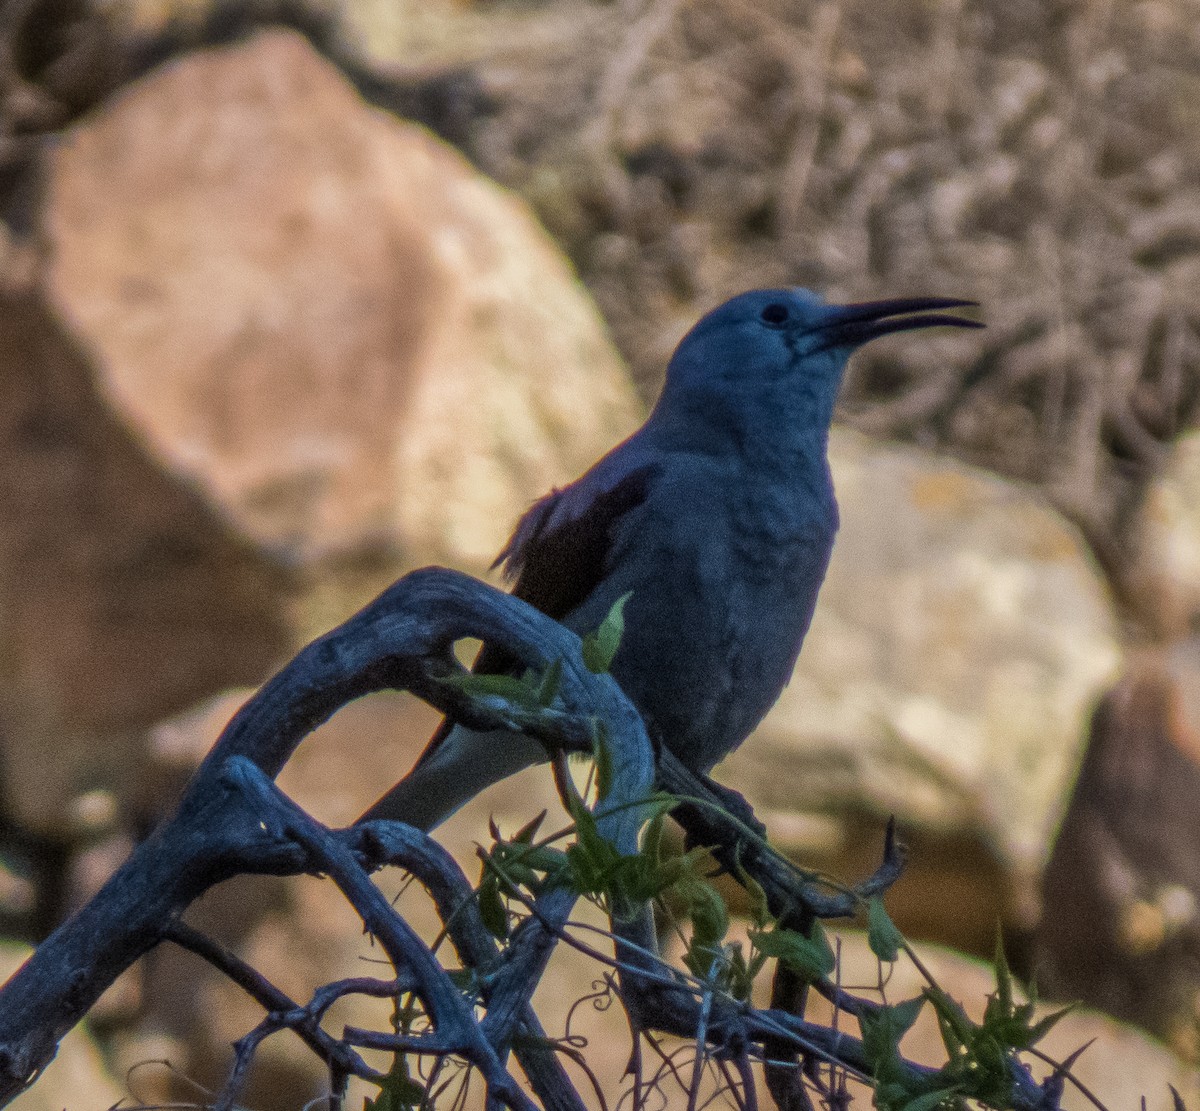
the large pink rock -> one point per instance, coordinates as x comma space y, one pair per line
321, 315
122, 596
277, 347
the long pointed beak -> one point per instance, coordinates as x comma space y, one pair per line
854, 325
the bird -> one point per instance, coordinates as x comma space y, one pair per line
716, 518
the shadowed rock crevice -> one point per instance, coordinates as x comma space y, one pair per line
124, 595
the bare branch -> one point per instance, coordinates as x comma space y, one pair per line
233, 819
400, 641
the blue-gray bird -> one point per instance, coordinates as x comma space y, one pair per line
717, 517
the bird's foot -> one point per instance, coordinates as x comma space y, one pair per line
702, 826
735, 804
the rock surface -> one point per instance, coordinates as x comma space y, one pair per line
123, 596
1166, 538
1120, 925
321, 316
280, 346
961, 638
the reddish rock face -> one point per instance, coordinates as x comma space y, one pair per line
322, 316
273, 348
1120, 927
123, 595
257, 294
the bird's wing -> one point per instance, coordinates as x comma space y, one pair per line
560, 548
558, 554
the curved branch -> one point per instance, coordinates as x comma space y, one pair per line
233, 820
400, 641
737, 843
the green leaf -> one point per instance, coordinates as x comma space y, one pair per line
652, 837
398, 1091
956, 1027
739, 975
879, 1043
929, 1100
526, 834
600, 647
1004, 993
491, 907
810, 957
1043, 1027
882, 936
710, 924
905, 1014
518, 864
891, 1096
708, 913
543, 858
591, 859
515, 872
550, 683
882, 1030
604, 765
653, 872
760, 912
1004, 1019
509, 687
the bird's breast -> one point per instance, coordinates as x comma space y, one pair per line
724, 589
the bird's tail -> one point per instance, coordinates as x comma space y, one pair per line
453, 772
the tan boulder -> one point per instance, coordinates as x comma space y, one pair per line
321, 316
281, 346
1166, 536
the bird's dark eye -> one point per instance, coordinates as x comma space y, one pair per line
774, 315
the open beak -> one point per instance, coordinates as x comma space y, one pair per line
854, 325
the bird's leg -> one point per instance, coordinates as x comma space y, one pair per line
717, 818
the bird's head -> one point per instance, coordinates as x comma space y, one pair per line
788, 347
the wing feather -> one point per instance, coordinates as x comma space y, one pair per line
559, 552
557, 555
